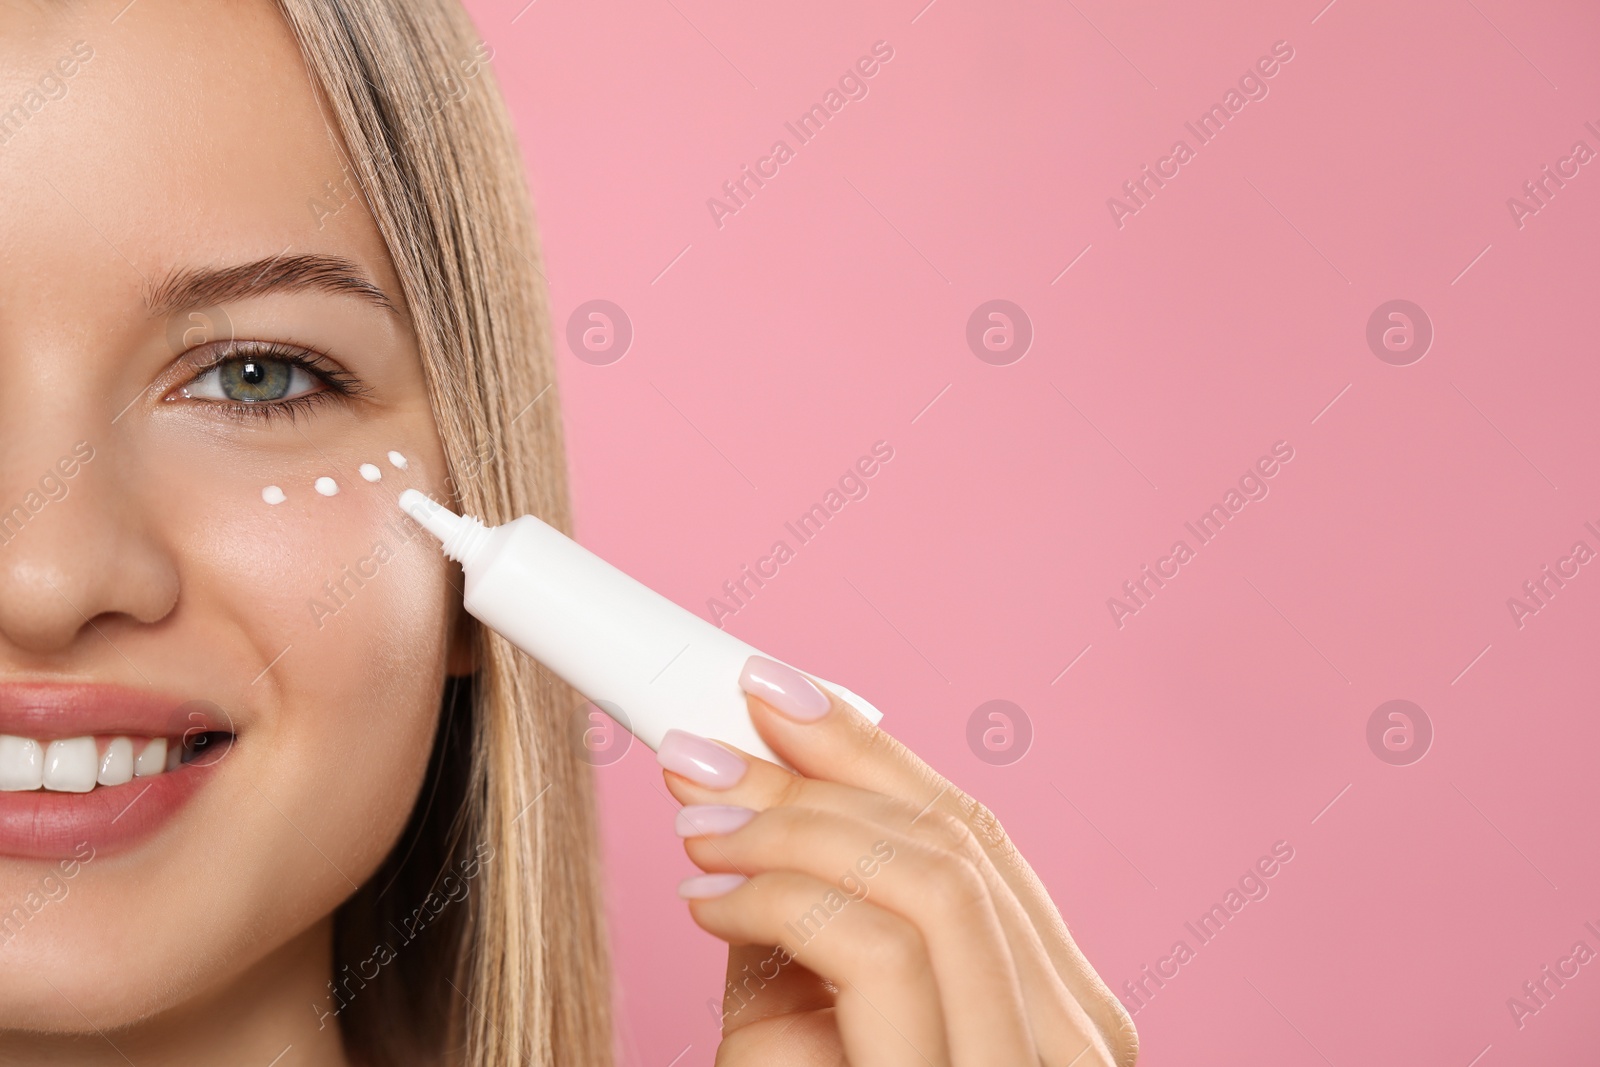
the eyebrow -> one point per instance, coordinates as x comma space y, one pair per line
207, 286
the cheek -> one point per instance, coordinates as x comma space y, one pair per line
334, 737
348, 600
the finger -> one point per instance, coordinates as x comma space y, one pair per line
888, 1009
1061, 1026
823, 737
803, 1039
940, 890
784, 990
802, 838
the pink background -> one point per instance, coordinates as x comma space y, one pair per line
1229, 313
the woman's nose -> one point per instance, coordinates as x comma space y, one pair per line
79, 551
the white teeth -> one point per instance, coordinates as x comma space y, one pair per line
77, 764
153, 760
116, 766
69, 765
21, 763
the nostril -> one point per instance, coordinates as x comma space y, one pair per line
47, 606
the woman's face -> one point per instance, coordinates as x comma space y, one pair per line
169, 186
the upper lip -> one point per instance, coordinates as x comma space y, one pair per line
47, 710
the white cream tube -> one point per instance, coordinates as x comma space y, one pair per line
609, 636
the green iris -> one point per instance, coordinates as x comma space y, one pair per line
254, 380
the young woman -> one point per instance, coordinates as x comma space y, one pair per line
267, 795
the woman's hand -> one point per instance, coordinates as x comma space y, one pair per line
875, 913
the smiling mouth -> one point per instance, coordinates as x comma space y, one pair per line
91, 762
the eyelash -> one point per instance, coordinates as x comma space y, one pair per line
340, 383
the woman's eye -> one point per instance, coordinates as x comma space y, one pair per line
252, 380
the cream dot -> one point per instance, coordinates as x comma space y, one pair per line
398, 460
273, 495
327, 486
371, 473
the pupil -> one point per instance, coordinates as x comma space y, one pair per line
253, 380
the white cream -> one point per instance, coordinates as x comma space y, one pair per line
371, 473
327, 486
398, 460
273, 495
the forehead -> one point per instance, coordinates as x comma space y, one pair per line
161, 134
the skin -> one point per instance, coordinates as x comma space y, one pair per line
944, 950
192, 139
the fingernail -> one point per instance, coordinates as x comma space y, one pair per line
699, 760
784, 688
697, 820
702, 886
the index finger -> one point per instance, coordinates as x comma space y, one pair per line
823, 737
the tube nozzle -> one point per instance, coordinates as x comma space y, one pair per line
459, 535
430, 514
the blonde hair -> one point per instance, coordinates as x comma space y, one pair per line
515, 971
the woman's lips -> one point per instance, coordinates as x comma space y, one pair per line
101, 765
46, 825
60, 709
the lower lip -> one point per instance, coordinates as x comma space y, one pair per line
47, 825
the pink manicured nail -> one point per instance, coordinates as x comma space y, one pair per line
784, 688
709, 885
700, 760
697, 820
